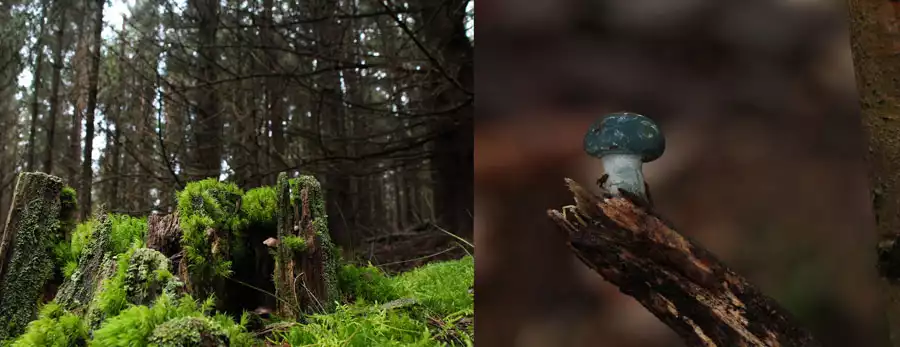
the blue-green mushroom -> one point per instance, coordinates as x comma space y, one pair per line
624, 141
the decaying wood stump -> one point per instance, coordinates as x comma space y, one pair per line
164, 235
26, 256
94, 265
305, 258
681, 283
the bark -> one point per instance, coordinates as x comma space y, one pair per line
305, 276
451, 55
87, 172
54, 87
328, 35
678, 281
208, 144
875, 44
36, 87
26, 255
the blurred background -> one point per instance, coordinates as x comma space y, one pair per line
763, 167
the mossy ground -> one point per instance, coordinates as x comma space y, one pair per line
140, 303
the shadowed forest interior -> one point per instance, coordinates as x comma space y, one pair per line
373, 99
141, 106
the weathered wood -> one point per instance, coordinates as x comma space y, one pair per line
305, 274
164, 235
26, 256
681, 283
78, 290
875, 44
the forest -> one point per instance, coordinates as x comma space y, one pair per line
214, 173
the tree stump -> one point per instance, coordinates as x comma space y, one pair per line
26, 255
305, 258
77, 291
678, 281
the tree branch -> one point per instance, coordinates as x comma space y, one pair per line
682, 284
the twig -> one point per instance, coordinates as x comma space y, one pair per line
681, 283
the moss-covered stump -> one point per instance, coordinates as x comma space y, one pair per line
77, 291
189, 332
305, 259
208, 213
68, 208
26, 249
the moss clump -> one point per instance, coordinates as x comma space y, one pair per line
442, 287
259, 205
142, 274
360, 325
137, 325
189, 332
55, 327
366, 284
30, 262
295, 243
206, 207
125, 231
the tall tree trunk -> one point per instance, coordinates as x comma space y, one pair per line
87, 172
208, 144
36, 87
274, 93
453, 160
329, 45
81, 65
62, 11
874, 33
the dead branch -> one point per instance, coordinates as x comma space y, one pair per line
681, 283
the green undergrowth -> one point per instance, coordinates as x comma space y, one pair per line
140, 301
439, 293
126, 230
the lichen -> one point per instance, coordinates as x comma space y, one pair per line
30, 259
189, 332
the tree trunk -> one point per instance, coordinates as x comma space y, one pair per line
452, 87
875, 38
54, 87
26, 249
36, 87
87, 171
208, 144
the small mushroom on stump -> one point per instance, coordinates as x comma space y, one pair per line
624, 141
271, 242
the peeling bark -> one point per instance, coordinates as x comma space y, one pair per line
681, 283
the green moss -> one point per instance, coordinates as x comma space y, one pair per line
210, 205
295, 243
141, 275
137, 325
366, 283
126, 231
189, 332
31, 259
361, 326
442, 287
259, 205
55, 327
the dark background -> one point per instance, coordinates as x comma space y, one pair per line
763, 167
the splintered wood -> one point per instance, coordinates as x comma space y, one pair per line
681, 283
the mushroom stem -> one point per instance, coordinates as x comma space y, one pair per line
624, 172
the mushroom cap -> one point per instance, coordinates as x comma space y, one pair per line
625, 133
